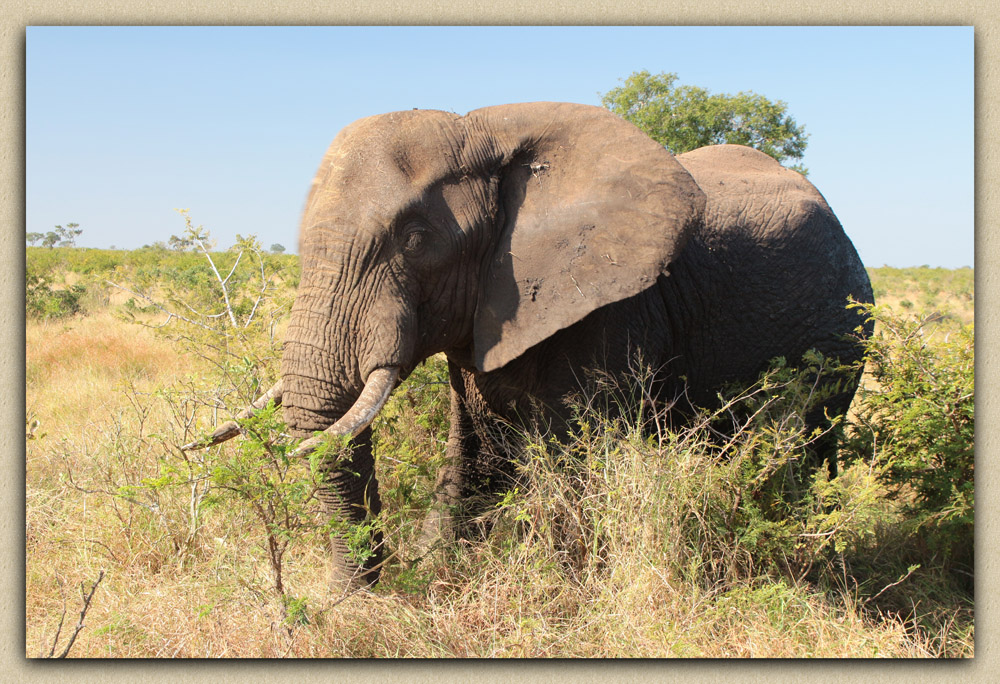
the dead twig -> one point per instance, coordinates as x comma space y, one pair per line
86, 598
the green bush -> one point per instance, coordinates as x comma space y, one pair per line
411, 433
43, 302
917, 421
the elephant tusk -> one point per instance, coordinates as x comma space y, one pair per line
378, 387
230, 429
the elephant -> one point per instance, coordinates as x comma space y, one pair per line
529, 243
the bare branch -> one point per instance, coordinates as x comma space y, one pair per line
55, 641
260, 298
86, 598
170, 314
237, 263
264, 282
222, 283
195, 311
912, 569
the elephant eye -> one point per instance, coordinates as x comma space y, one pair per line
414, 239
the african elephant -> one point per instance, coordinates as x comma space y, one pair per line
530, 242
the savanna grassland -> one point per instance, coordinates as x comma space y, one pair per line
635, 541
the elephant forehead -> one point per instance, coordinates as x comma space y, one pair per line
381, 166
394, 151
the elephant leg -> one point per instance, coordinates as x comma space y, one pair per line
825, 448
350, 497
478, 467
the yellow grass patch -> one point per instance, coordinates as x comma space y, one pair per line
73, 366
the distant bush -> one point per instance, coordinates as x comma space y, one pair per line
43, 302
926, 288
148, 266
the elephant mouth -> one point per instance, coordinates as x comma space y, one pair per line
373, 397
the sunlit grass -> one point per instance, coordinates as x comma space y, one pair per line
612, 553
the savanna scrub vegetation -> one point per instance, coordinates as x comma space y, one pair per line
636, 540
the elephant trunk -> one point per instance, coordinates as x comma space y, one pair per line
349, 339
350, 497
330, 400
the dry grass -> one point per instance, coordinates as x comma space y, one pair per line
74, 365
948, 293
630, 582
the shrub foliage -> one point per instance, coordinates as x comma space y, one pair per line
916, 419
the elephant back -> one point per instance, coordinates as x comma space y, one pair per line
771, 263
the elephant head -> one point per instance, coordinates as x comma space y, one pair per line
478, 235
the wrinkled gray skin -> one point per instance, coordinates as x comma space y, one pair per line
529, 243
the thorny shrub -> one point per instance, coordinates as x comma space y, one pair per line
916, 422
227, 314
224, 309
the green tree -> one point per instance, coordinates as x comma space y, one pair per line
66, 237
684, 118
32, 238
277, 248
181, 244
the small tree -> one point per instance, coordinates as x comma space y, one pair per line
684, 118
918, 419
181, 244
277, 248
32, 238
66, 237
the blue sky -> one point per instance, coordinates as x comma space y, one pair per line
125, 124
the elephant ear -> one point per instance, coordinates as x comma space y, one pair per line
592, 212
